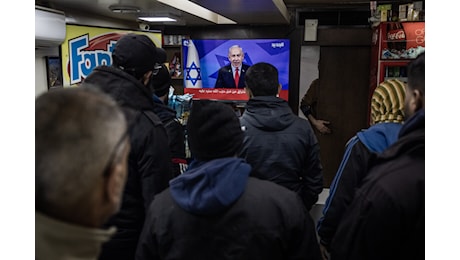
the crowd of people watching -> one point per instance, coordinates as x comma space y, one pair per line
112, 181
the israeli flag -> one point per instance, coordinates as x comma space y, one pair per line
193, 67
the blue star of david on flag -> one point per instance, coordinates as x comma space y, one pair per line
190, 69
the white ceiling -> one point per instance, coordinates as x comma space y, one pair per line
245, 12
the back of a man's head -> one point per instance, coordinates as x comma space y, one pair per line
77, 131
415, 92
262, 79
416, 73
135, 54
214, 131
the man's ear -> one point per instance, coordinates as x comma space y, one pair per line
416, 100
116, 179
115, 184
248, 92
146, 77
279, 90
419, 99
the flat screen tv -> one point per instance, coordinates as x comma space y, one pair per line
202, 60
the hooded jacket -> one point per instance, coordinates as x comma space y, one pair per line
386, 219
282, 147
215, 211
148, 162
351, 172
387, 112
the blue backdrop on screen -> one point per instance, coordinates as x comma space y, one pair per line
203, 58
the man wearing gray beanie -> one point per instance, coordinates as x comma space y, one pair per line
216, 211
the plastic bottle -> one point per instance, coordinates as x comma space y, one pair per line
396, 37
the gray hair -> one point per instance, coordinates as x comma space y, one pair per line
235, 46
76, 131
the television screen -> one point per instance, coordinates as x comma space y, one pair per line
202, 60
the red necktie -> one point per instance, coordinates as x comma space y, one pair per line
237, 77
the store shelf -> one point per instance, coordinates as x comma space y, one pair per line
390, 58
395, 44
174, 60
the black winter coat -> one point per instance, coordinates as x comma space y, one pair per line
282, 147
148, 171
351, 172
386, 219
176, 136
267, 222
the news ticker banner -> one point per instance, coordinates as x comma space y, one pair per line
225, 93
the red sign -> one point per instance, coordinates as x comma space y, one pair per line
415, 34
225, 93
404, 35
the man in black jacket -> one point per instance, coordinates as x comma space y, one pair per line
280, 146
214, 210
386, 219
127, 81
160, 85
387, 115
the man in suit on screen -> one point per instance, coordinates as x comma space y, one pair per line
232, 75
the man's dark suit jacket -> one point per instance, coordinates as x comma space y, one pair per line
225, 77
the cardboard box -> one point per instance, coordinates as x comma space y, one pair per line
385, 12
383, 15
402, 16
410, 12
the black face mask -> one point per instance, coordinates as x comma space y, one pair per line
155, 71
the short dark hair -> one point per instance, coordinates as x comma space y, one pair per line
416, 73
262, 79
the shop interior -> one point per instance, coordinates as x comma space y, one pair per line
337, 41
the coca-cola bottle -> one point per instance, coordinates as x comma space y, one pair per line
396, 37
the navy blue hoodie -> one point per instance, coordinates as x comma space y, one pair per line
210, 187
215, 210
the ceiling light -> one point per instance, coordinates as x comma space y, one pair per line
197, 10
157, 19
123, 9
